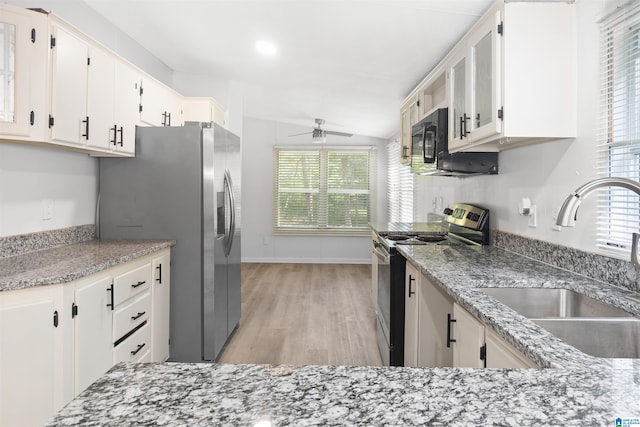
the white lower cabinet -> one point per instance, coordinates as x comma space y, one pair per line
93, 326
435, 310
478, 346
31, 355
161, 292
56, 340
411, 322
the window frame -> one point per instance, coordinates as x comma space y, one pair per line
618, 152
322, 227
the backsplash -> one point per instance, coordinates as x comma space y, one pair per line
31, 242
599, 267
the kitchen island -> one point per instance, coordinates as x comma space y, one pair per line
572, 388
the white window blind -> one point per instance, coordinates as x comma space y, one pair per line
619, 133
399, 186
324, 191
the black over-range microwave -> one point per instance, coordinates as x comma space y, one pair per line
430, 154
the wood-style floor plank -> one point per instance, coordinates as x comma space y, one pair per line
305, 314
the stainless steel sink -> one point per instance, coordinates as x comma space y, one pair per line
545, 303
619, 338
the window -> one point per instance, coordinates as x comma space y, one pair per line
324, 191
619, 148
399, 186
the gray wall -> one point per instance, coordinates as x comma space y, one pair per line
258, 242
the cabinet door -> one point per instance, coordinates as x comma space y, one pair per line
468, 334
411, 321
93, 332
484, 45
127, 107
69, 87
19, 55
151, 109
435, 308
502, 355
458, 115
30, 359
405, 137
101, 98
161, 292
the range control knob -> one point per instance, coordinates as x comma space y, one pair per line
447, 211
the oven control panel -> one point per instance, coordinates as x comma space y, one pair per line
468, 216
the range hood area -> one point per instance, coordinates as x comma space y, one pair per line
465, 164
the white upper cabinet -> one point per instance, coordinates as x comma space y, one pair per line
23, 64
127, 107
159, 105
101, 98
202, 110
509, 80
69, 76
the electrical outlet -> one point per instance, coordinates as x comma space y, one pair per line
533, 216
47, 209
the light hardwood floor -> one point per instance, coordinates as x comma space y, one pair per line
305, 314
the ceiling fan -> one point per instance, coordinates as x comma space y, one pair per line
319, 135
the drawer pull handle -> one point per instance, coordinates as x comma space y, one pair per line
139, 315
111, 297
450, 320
138, 284
137, 350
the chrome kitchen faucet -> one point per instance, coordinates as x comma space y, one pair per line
569, 209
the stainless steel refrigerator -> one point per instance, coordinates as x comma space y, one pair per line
184, 184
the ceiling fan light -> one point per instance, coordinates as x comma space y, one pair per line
319, 139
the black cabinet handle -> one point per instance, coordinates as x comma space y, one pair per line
450, 320
121, 131
139, 315
86, 129
137, 350
478, 120
138, 284
465, 119
159, 268
115, 133
110, 290
164, 118
461, 127
55, 319
411, 279
32, 117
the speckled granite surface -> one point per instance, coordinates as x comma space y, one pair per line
577, 390
434, 224
459, 270
70, 262
599, 267
245, 395
31, 242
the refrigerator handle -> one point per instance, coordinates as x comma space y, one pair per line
232, 210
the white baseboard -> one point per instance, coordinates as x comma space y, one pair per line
308, 260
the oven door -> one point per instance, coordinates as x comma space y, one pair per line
383, 303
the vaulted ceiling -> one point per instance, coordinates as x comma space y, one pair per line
351, 62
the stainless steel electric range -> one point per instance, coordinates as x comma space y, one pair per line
463, 224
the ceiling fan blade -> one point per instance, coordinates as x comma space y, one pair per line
330, 132
304, 133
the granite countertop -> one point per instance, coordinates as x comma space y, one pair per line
434, 224
572, 388
70, 262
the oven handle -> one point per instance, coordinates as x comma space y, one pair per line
384, 257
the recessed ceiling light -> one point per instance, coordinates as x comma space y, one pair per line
266, 47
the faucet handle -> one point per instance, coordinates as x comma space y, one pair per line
634, 250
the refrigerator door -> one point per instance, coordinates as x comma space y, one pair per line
233, 165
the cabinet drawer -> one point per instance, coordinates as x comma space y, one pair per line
131, 314
134, 347
131, 283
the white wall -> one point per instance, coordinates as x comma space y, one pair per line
546, 173
258, 242
30, 174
